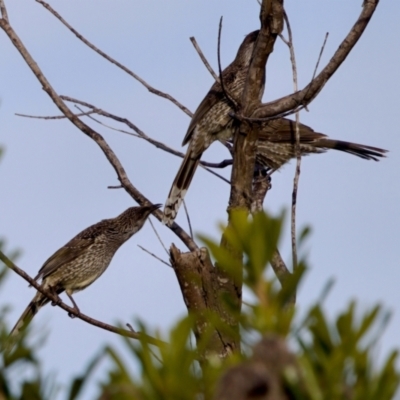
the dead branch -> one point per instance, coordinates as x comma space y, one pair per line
261, 185
279, 267
188, 219
153, 255
108, 152
203, 58
141, 135
320, 55
111, 60
73, 311
296, 178
158, 236
204, 291
49, 117
245, 145
245, 138
306, 95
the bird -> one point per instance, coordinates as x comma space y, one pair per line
83, 259
211, 122
277, 144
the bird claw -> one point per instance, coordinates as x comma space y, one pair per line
56, 303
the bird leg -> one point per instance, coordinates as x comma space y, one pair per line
53, 290
76, 308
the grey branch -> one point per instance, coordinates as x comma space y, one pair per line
108, 152
111, 60
73, 311
305, 96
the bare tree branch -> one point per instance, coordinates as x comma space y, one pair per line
306, 95
208, 66
140, 134
296, 178
245, 145
73, 311
320, 56
204, 59
245, 138
158, 236
153, 255
188, 218
261, 185
111, 60
203, 292
108, 152
4, 14
49, 117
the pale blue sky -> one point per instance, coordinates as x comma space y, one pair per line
54, 179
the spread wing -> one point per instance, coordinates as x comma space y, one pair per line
66, 254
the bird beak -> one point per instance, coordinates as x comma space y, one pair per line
154, 207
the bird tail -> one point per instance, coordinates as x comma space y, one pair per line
180, 186
34, 306
360, 150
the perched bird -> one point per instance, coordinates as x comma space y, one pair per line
277, 144
84, 258
210, 122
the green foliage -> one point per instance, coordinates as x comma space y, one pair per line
23, 358
338, 358
335, 356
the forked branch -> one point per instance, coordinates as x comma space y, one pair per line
73, 311
305, 96
108, 152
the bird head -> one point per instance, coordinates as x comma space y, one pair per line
132, 220
246, 48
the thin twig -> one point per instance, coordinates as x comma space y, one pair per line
261, 185
158, 258
130, 327
188, 218
279, 267
203, 58
82, 114
320, 56
151, 351
87, 130
297, 146
72, 310
3, 10
310, 92
208, 66
158, 236
141, 135
111, 60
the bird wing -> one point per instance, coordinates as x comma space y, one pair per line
213, 96
66, 254
284, 130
